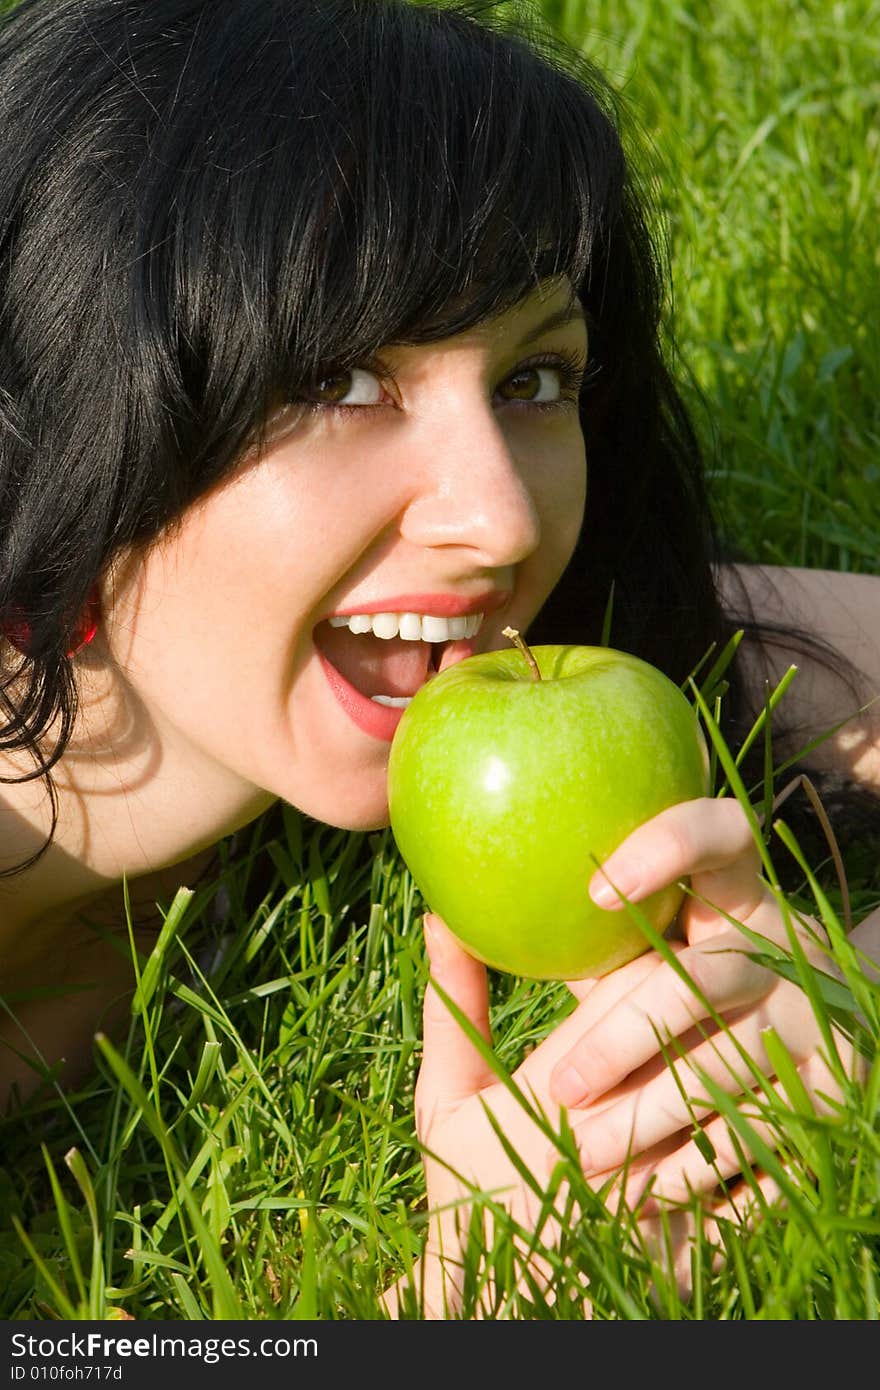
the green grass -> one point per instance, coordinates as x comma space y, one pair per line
247, 1149
763, 126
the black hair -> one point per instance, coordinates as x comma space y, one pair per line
205, 202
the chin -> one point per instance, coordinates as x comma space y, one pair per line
357, 813
359, 823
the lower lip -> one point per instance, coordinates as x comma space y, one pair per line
379, 721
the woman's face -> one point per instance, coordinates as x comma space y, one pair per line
264, 634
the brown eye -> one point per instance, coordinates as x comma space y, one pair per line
332, 389
354, 387
540, 384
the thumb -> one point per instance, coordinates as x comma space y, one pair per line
452, 1067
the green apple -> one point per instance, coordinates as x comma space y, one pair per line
513, 772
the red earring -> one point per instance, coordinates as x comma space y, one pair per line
87, 626
18, 631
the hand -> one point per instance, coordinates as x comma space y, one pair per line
630, 1102
455, 1090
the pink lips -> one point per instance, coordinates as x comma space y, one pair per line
381, 721
432, 605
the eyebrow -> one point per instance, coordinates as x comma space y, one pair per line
570, 313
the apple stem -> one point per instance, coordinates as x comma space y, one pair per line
523, 646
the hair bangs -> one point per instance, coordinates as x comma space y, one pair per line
392, 173
454, 171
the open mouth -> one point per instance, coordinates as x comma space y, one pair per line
376, 662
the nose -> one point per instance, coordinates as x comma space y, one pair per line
472, 492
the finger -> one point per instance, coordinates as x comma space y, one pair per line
452, 1066
609, 988
822, 1083
698, 1169
581, 988
719, 1151
664, 1005
671, 1239
677, 1097
742, 1207
708, 840
536, 1069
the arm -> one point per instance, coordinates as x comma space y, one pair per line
840, 611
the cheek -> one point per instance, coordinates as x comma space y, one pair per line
225, 572
559, 486
183, 618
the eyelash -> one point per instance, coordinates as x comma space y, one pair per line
575, 374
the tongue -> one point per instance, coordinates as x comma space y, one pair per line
375, 666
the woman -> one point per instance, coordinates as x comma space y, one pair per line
314, 315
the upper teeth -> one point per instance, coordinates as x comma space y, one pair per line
412, 627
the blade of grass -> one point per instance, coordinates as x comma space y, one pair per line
226, 1303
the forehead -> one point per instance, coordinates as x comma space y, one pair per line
550, 304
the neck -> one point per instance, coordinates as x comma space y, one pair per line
132, 804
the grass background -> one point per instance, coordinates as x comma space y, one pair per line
763, 128
248, 1150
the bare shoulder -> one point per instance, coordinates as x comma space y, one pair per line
827, 624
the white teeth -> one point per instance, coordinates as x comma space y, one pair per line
412, 627
393, 701
435, 629
361, 622
386, 625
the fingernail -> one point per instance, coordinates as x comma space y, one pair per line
432, 937
436, 942
569, 1087
627, 881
